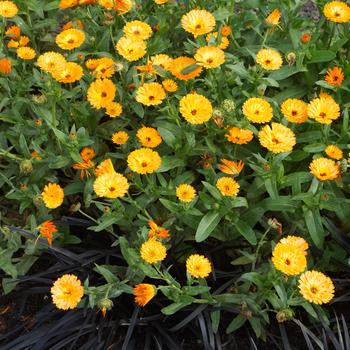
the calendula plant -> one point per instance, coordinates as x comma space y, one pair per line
205, 141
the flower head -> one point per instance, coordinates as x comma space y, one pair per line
111, 185
334, 152
274, 17
131, 50
153, 251
69, 73
169, 85
8, 9
198, 266
230, 167
257, 110
26, 53
213, 37
156, 231
144, 161
87, 153
288, 259
185, 193
337, 11
120, 137
150, 94
325, 169
198, 22
114, 109
144, 293
334, 76
5, 66
70, 39
65, 4
228, 186
277, 138
294, 110
13, 32
51, 62
149, 137
316, 287
324, 110
52, 195
104, 167
137, 30
239, 136
185, 68
47, 229
101, 93
269, 59
67, 292
161, 60
209, 57
298, 242
195, 108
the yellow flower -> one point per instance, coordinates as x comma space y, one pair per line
92, 63
324, 169
224, 43
179, 66
114, 109
297, 242
169, 85
277, 138
26, 53
257, 110
65, 4
334, 152
161, 60
231, 167
335, 76
137, 30
228, 186
289, 260
8, 9
195, 108
144, 293
70, 73
105, 167
210, 57
149, 137
198, 22
51, 62
105, 67
269, 59
337, 11
294, 110
70, 39
52, 195
120, 137
122, 6
131, 50
111, 185
323, 109
226, 30
185, 193
5, 66
150, 94
274, 17
153, 251
144, 161
198, 266
316, 287
67, 292
239, 136
101, 93
161, 2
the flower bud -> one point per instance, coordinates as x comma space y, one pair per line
38, 201
75, 207
228, 105
343, 166
291, 58
284, 315
217, 113
39, 98
26, 166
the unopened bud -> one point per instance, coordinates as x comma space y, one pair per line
284, 315
291, 58
26, 166
228, 105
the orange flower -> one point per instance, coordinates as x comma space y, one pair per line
334, 76
5, 66
87, 153
65, 4
274, 17
85, 168
14, 32
226, 30
239, 136
230, 167
305, 38
157, 231
47, 229
144, 293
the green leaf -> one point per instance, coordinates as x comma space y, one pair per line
286, 72
215, 320
172, 308
169, 162
322, 56
207, 225
106, 222
236, 323
109, 276
314, 225
246, 231
212, 190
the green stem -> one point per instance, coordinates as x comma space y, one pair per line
87, 216
261, 242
